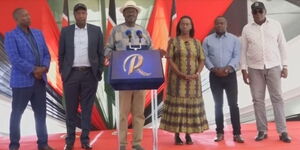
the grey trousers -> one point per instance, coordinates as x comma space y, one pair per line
259, 80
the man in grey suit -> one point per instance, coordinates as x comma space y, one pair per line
81, 65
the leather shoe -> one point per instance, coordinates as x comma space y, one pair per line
47, 147
285, 138
219, 137
14, 148
261, 135
68, 147
237, 138
86, 146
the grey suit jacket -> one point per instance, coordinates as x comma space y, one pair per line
95, 50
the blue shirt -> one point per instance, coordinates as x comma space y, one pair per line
222, 51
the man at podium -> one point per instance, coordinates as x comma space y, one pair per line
130, 36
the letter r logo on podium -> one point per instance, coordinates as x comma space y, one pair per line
134, 63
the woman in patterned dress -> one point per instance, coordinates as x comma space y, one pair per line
183, 110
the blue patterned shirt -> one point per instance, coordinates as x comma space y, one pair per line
222, 51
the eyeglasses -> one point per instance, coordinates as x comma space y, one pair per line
254, 12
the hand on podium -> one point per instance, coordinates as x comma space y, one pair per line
162, 52
106, 61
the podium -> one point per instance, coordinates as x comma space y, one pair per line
138, 70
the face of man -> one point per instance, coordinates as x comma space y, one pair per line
23, 18
259, 15
80, 17
185, 25
130, 15
220, 25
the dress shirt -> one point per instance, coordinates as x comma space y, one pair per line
33, 45
263, 46
81, 57
222, 51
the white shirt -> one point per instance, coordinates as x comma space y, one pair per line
263, 46
81, 57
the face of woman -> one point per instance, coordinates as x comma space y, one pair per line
185, 26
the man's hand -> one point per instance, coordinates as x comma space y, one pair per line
284, 73
246, 77
39, 71
106, 61
162, 52
220, 72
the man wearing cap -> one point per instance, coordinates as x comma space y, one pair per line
30, 60
131, 101
263, 64
80, 64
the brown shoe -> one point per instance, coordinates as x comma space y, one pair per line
238, 139
219, 137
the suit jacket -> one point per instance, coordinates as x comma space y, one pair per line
95, 50
22, 58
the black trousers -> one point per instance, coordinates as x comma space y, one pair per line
79, 88
229, 84
36, 94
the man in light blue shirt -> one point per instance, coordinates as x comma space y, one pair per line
222, 50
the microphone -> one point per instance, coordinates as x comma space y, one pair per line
129, 34
139, 33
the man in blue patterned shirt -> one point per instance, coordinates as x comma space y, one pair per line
222, 50
30, 60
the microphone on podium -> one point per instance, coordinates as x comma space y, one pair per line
139, 33
129, 35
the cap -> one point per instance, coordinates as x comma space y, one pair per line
79, 6
257, 5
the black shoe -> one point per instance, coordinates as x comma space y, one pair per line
260, 136
237, 138
68, 147
285, 138
47, 147
188, 139
219, 137
86, 146
178, 141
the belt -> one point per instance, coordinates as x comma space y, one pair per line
82, 68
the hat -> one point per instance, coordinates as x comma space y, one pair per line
257, 5
79, 6
130, 4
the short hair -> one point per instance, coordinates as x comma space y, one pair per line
192, 31
16, 12
220, 17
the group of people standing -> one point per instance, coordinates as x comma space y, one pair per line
261, 53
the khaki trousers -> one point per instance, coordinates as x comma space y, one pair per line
132, 102
259, 80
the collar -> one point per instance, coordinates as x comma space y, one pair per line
20, 29
76, 27
267, 21
224, 35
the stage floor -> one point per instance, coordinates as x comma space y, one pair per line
107, 140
